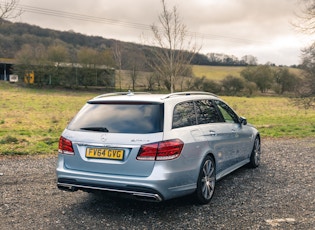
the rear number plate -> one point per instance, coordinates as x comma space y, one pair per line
113, 154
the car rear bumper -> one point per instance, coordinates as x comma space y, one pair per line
160, 185
141, 193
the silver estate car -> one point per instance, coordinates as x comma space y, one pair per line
155, 147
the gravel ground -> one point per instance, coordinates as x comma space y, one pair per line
280, 194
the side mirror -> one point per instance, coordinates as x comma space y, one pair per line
243, 121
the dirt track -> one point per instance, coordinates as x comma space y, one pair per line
280, 194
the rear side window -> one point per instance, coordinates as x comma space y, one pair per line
119, 118
184, 115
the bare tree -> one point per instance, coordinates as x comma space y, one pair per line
306, 24
151, 79
9, 9
171, 48
306, 17
249, 59
118, 60
307, 88
135, 62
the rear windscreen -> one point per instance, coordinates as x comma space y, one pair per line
119, 118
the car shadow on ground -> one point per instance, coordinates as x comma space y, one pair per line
107, 201
231, 192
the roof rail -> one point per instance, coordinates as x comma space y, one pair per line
129, 93
188, 93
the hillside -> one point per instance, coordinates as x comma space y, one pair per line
13, 36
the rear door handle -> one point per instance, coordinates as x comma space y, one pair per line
235, 133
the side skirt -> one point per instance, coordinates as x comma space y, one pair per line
231, 169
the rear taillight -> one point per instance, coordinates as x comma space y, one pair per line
161, 151
65, 146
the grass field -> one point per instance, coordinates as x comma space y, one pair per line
31, 120
275, 116
216, 73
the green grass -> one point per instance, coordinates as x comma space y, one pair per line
216, 73
275, 116
31, 120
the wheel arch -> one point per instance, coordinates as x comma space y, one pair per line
200, 162
259, 138
210, 154
258, 135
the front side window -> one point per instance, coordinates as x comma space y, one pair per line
227, 113
184, 115
119, 118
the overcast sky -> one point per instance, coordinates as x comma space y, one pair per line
262, 28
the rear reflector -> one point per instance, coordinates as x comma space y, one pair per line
65, 146
161, 151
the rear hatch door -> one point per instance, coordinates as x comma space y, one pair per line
113, 154
107, 135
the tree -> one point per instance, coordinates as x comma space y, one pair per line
9, 9
33, 59
212, 86
24, 59
232, 85
204, 84
87, 57
40, 64
307, 87
170, 48
262, 76
285, 80
57, 54
151, 79
249, 60
106, 58
306, 90
198, 83
136, 60
118, 60
306, 17
250, 88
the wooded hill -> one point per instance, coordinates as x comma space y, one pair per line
14, 35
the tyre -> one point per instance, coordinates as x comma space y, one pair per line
206, 181
255, 155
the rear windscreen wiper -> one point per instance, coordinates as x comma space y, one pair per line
97, 129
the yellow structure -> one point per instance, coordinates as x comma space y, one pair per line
29, 77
